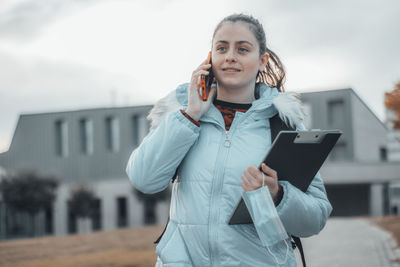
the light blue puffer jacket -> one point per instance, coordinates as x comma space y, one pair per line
209, 181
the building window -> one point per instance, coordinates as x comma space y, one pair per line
122, 216
112, 134
383, 153
49, 220
135, 129
3, 220
335, 111
61, 137
71, 220
86, 136
308, 115
395, 191
150, 211
143, 128
96, 215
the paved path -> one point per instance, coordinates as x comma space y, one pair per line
349, 242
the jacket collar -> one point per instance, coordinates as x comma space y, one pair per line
270, 102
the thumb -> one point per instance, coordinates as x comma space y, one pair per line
264, 168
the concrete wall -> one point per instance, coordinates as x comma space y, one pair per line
318, 104
393, 145
34, 144
369, 132
377, 199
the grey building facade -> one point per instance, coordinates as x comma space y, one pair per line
351, 189
85, 147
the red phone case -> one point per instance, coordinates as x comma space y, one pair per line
204, 91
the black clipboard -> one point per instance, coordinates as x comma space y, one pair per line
296, 156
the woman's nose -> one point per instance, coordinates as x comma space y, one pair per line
230, 56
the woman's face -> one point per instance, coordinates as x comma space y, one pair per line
235, 56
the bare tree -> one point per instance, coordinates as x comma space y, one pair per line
27, 191
82, 203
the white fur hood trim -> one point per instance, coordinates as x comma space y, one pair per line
288, 105
162, 108
290, 108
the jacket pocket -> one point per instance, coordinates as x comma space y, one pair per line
250, 233
172, 249
169, 231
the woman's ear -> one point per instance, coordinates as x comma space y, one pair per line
263, 61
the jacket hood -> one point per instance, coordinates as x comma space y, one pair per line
287, 104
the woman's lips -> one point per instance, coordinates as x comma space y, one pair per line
231, 70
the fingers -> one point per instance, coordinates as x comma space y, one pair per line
245, 181
198, 73
211, 93
202, 69
253, 175
249, 181
196, 77
253, 171
253, 178
203, 66
269, 174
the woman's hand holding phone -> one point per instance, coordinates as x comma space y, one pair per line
196, 106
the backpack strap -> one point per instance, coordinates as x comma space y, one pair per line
277, 125
175, 175
165, 228
297, 243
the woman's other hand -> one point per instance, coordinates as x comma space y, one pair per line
196, 106
252, 179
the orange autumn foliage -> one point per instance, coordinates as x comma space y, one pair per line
392, 102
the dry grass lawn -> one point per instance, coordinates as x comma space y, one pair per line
125, 247
389, 223
392, 225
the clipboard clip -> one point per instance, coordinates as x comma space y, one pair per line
315, 136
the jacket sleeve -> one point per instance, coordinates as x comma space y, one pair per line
152, 164
304, 213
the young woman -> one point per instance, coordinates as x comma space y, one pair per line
217, 146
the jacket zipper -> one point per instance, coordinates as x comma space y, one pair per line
227, 142
215, 189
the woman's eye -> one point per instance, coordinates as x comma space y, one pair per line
221, 48
242, 49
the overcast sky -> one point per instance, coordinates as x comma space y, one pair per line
58, 55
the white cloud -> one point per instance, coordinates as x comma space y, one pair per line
64, 54
21, 20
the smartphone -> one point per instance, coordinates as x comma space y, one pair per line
206, 80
